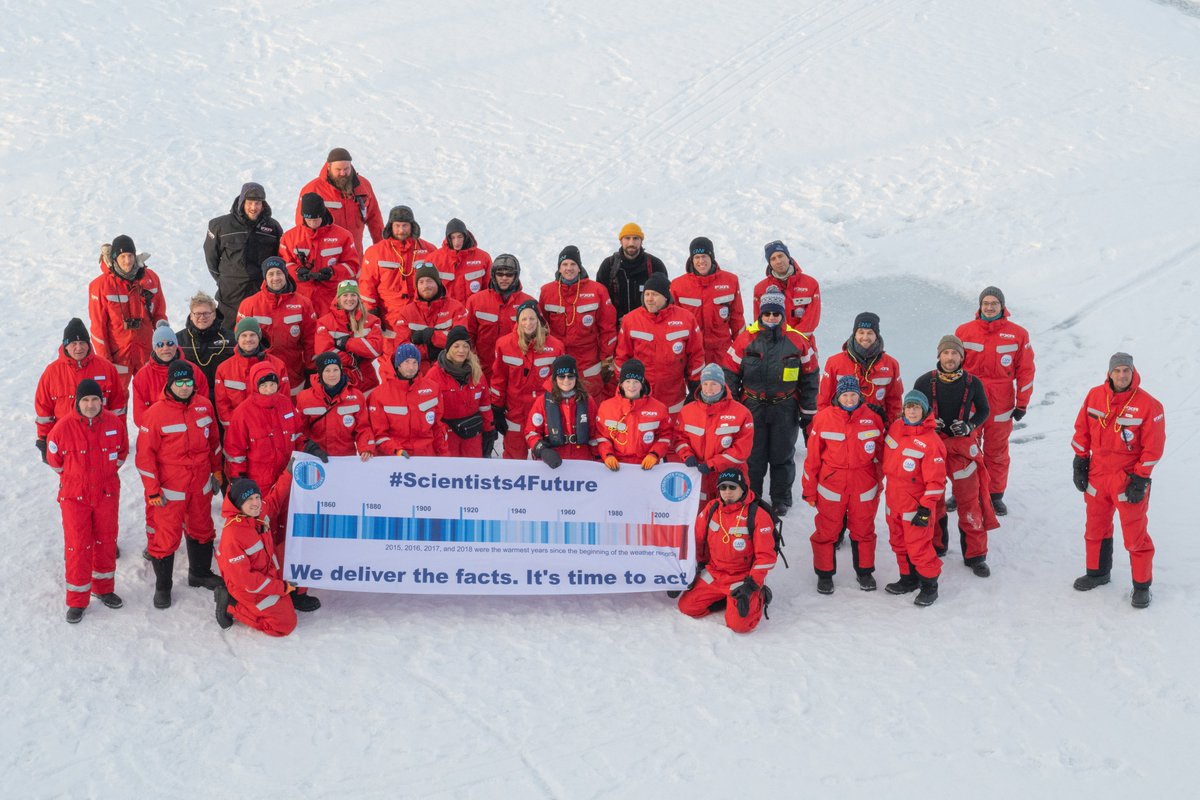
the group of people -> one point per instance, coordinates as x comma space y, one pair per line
416, 349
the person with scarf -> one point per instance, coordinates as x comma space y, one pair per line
286, 318
333, 413
406, 410
714, 431
519, 373
465, 397
801, 291
354, 334
959, 405
862, 357
125, 303
633, 427
561, 424
713, 295
580, 314
492, 312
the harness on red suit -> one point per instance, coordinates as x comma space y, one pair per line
555, 435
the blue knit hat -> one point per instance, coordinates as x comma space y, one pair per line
406, 351
847, 383
913, 396
163, 335
712, 372
775, 247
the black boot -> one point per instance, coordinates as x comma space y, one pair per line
224, 601
1085, 583
928, 594
906, 583
866, 581
163, 570
305, 602
981, 569
1141, 595
110, 599
951, 504
74, 614
841, 538
781, 509
998, 505
200, 564
825, 584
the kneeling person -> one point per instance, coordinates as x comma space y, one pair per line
254, 593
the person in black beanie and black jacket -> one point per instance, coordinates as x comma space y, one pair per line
236, 245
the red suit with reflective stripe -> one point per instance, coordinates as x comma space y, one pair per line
360, 350
86, 454
113, 303
460, 401
633, 429
671, 346
262, 435
803, 295
1124, 434
999, 354
386, 280
841, 476
289, 323
490, 316
879, 379
569, 444
914, 470
441, 313
407, 415
354, 211
339, 423
178, 449
55, 395
583, 318
250, 567
518, 378
328, 246
148, 384
463, 272
720, 435
715, 300
729, 548
233, 380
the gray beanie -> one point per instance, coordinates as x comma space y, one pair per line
1120, 360
992, 291
712, 372
951, 342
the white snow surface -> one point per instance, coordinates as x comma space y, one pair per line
911, 152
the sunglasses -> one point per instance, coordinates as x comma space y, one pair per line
727, 487
185, 382
772, 314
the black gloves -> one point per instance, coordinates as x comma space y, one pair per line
40, 444
304, 275
339, 343
1135, 490
960, 428
1019, 414
549, 456
742, 594
323, 274
500, 420
878, 409
921, 518
805, 421
422, 336
704, 468
314, 449
489, 442
690, 461
1080, 467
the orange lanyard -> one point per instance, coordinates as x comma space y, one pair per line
574, 306
724, 530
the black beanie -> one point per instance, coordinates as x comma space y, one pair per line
88, 388
531, 303
269, 377
701, 246
633, 369
338, 154
312, 206
867, 320
122, 244
241, 490
457, 334
323, 360
178, 370
732, 475
76, 331
658, 282
426, 270
570, 252
564, 365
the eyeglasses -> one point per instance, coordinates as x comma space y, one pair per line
203, 314
185, 382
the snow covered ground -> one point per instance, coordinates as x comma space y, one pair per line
910, 151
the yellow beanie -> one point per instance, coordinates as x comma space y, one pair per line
631, 229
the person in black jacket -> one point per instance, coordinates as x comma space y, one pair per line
624, 273
958, 403
236, 245
204, 340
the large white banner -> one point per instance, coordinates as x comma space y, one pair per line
489, 526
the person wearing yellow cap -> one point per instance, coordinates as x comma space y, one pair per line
625, 272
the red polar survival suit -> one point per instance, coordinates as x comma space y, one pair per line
460, 402
353, 211
633, 429
841, 478
914, 469
490, 315
1000, 355
339, 423
879, 379
328, 247
358, 351
178, 450
386, 282
233, 380
463, 272
289, 322
671, 346
564, 426
147, 386
55, 395
518, 378
114, 304
86, 453
729, 548
250, 567
720, 435
715, 300
440, 313
803, 295
406, 416
1124, 433
583, 318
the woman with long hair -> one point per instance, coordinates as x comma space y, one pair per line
354, 333
466, 398
522, 365
561, 423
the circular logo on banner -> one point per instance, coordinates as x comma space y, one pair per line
430, 417
308, 474
544, 371
1005, 360
677, 348
588, 319
869, 447
726, 441
724, 312
294, 331
348, 420
648, 437
909, 465
676, 486
974, 451
538, 419
739, 544
879, 394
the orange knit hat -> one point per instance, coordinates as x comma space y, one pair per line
631, 229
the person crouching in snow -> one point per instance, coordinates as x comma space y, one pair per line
914, 468
633, 427
254, 593
561, 422
733, 555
